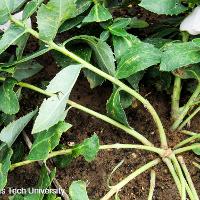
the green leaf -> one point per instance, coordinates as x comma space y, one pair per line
93, 79
139, 57
118, 26
70, 23
5, 163
192, 72
10, 133
98, 14
85, 53
103, 53
104, 36
158, 42
88, 149
115, 109
7, 7
8, 99
25, 58
82, 6
135, 79
52, 109
137, 23
167, 7
51, 16
46, 141
122, 44
21, 44
18, 152
189, 53
10, 36
77, 191
30, 8
197, 150
26, 70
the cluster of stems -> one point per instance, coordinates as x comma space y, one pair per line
176, 167
180, 114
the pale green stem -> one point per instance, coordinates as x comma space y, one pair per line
152, 184
186, 108
117, 82
186, 132
188, 177
102, 147
128, 130
170, 166
176, 178
180, 175
189, 118
188, 148
176, 98
196, 165
129, 178
188, 140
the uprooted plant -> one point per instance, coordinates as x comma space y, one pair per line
132, 56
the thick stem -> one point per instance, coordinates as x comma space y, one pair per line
128, 130
188, 140
186, 108
176, 178
152, 184
189, 118
176, 98
180, 175
124, 87
129, 178
170, 166
188, 177
102, 147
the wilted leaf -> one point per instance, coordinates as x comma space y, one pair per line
10, 133
192, 72
46, 141
77, 191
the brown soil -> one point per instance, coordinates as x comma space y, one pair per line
96, 172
